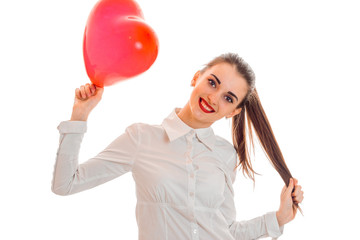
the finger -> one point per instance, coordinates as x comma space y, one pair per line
295, 181
77, 93
298, 200
299, 197
296, 190
92, 88
302, 198
87, 90
99, 91
82, 92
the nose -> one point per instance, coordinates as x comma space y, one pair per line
212, 98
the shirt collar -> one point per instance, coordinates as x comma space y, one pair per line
176, 128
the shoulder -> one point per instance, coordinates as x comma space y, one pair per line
226, 150
144, 130
145, 127
221, 144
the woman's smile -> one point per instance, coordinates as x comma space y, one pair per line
215, 95
205, 106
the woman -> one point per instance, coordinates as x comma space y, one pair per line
182, 171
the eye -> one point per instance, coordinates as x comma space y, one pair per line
229, 99
212, 83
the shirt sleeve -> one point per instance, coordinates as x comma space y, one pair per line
115, 160
260, 227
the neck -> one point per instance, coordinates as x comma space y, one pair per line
186, 116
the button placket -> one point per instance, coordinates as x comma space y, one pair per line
194, 231
191, 184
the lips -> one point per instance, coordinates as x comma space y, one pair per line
205, 106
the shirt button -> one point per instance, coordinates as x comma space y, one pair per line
191, 175
195, 231
191, 194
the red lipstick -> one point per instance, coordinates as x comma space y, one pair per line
205, 106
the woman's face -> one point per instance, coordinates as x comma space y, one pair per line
216, 93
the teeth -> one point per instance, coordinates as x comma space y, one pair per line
206, 107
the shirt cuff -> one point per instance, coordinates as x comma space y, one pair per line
72, 127
272, 225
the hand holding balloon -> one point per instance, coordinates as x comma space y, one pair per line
86, 99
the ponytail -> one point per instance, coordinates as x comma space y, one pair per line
257, 120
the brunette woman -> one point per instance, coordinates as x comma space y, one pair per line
183, 172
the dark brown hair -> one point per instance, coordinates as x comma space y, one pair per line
252, 117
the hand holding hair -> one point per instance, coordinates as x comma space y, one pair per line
86, 99
289, 196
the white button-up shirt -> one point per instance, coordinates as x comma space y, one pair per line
183, 179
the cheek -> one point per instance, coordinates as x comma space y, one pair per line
194, 95
226, 108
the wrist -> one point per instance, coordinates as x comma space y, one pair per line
79, 116
279, 219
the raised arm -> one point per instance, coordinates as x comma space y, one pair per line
71, 177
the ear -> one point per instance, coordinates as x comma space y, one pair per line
196, 76
233, 113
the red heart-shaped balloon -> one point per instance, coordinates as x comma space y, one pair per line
118, 44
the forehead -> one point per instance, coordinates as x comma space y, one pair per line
230, 78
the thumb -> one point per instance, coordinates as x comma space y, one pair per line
98, 91
101, 89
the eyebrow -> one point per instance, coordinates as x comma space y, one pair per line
216, 78
231, 93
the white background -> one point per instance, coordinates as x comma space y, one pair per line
306, 58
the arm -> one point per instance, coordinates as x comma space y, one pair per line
263, 226
69, 177
115, 160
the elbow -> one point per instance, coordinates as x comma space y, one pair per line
61, 187
60, 191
